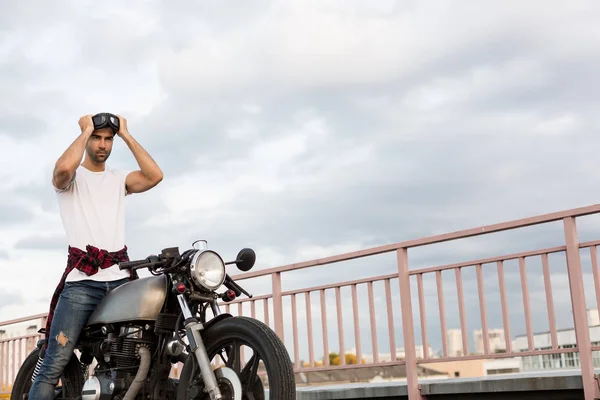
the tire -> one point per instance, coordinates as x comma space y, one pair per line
258, 336
72, 379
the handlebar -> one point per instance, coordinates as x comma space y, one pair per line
154, 261
231, 284
138, 264
131, 264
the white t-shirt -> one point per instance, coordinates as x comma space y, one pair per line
92, 209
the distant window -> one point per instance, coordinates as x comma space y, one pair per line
502, 371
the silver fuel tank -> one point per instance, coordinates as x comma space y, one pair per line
141, 299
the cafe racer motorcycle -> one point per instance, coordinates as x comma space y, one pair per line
144, 327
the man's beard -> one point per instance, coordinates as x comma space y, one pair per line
98, 158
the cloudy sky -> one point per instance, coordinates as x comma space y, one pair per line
306, 129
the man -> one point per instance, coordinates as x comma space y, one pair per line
91, 203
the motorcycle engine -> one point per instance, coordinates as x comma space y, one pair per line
124, 350
100, 387
124, 361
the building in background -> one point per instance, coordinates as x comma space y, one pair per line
495, 336
593, 317
455, 347
496, 340
566, 339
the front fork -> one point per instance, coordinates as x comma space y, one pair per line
193, 327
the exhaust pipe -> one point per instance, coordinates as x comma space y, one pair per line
141, 374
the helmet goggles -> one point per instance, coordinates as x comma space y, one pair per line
104, 120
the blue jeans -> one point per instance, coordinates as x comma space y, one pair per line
77, 302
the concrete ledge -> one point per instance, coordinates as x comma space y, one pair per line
554, 381
552, 385
396, 390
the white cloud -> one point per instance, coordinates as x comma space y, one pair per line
561, 125
304, 128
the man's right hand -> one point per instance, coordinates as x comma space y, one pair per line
65, 166
86, 124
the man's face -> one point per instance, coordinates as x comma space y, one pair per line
100, 144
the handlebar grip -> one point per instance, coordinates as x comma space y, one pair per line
231, 284
131, 264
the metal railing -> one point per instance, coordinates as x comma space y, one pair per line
275, 314
13, 351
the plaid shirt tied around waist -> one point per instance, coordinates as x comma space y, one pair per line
89, 262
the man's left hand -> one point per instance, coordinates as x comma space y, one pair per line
122, 126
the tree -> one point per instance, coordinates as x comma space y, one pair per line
334, 359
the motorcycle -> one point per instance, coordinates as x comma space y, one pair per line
136, 335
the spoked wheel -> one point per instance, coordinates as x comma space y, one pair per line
263, 354
230, 354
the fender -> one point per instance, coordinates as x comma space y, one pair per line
215, 320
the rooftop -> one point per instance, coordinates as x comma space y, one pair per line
564, 385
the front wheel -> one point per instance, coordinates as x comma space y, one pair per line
224, 340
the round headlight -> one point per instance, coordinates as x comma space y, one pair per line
207, 269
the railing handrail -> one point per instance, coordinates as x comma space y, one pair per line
22, 319
462, 234
507, 257
482, 230
17, 338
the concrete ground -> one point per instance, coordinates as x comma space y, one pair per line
564, 385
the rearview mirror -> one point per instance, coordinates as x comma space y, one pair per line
245, 259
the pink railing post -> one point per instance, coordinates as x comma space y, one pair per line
582, 333
412, 378
277, 304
